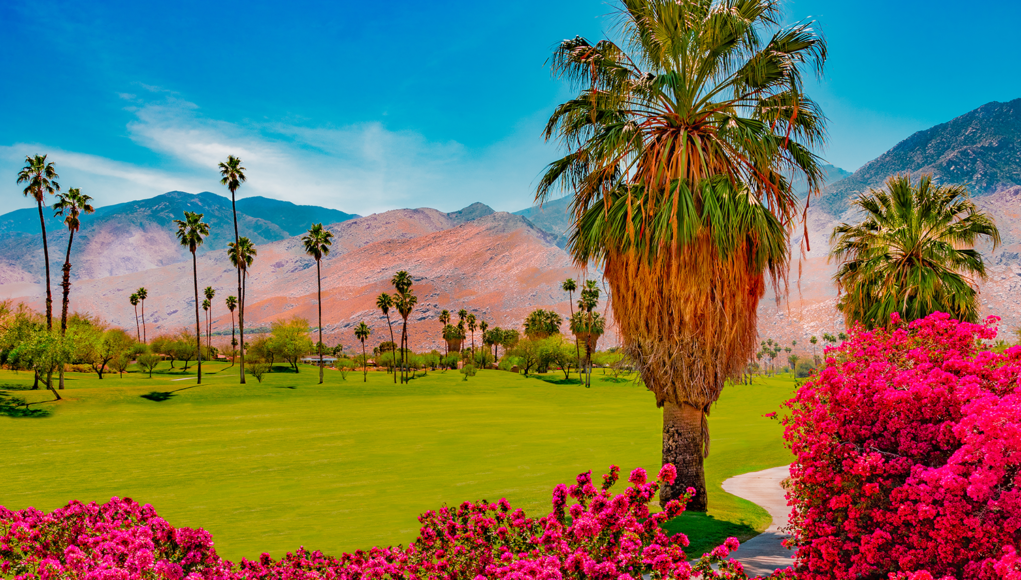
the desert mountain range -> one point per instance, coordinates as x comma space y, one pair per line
498, 265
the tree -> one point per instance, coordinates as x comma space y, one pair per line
191, 232
209, 294
41, 177
289, 340
682, 144
472, 326
317, 244
362, 332
444, 319
70, 206
206, 305
492, 339
815, 349
107, 346
542, 323
142, 295
570, 287
232, 174
588, 325
404, 302
454, 337
148, 362
134, 302
385, 302
509, 339
242, 255
232, 303
913, 253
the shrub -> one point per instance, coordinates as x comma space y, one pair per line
804, 369
908, 447
468, 371
258, 369
601, 537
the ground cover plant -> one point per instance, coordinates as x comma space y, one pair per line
908, 451
270, 466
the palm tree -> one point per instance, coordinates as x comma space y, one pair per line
206, 305
483, 327
232, 303
317, 244
589, 326
209, 294
385, 302
242, 255
444, 319
41, 179
405, 302
542, 323
142, 295
681, 146
70, 205
134, 302
913, 253
570, 286
472, 325
232, 174
362, 332
191, 232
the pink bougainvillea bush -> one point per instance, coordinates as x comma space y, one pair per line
908, 448
590, 534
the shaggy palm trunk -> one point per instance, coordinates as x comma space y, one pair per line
233, 355
393, 353
198, 324
66, 285
319, 286
46, 259
145, 339
365, 364
241, 305
683, 446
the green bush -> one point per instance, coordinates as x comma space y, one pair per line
805, 369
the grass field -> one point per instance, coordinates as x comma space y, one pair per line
268, 467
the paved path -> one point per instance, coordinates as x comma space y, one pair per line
763, 554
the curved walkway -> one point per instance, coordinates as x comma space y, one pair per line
764, 553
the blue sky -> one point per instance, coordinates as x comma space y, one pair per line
371, 106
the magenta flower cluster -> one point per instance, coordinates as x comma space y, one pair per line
589, 534
908, 449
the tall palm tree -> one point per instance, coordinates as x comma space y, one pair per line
913, 253
317, 244
232, 174
444, 319
681, 146
385, 302
404, 301
206, 305
142, 295
191, 232
570, 286
472, 326
232, 303
362, 332
41, 177
589, 326
70, 206
242, 255
134, 302
209, 294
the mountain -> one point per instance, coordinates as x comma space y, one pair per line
140, 235
472, 212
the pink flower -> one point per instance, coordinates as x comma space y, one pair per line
637, 477
668, 474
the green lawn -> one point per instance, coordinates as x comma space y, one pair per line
268, 467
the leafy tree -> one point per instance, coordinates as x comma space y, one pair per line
258, 369
362, 332
385, 302
261, 351
317, 244
120, 364
242, 255
289, 340
913, 253
142, 295
148, 362
191, 232
186, 347
106, 346
70, 206
134, 302
40, 177
165, 345
529, 351
682, 144
542, 323
232, 174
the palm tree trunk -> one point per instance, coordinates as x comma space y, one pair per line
145, 339
198, 327
66, 284
683, 446
138, 329
241, 306
319, 291
365, 364
233, 356
394, 353
404, 341
577, 347
46, 258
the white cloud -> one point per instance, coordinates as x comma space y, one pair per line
361, 168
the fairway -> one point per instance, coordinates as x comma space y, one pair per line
272, 466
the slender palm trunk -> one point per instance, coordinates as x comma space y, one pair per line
683, 445
233, 356
577, 347
391, 327
66, 284
46, 258
198, 327
145, 340
404, 342
365, 364
319, 293
241, 306
138, 329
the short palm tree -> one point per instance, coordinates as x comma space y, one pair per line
40, 177
472, 327
317, 244
542, 323
191, 232
385, 302
242, 255
681, 145
232, 174
362, 332
70, 206
209, 294
444, 319
913, 253
142, 295
232, 303
134, 302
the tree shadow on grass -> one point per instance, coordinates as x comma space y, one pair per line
292, 388
705, 532
17, 387
161, 396
554, 380
16, 407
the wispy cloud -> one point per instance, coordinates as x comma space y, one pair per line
361, 168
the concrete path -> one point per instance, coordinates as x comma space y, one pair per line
764, 554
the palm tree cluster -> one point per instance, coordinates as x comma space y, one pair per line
542, 323
588, 325
403, 300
